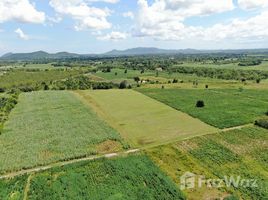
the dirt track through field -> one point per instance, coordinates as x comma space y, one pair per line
110, 155
60, 164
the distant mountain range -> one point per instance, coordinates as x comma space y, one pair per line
128, 52
38, 55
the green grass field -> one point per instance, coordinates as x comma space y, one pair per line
132, 177
263, 66
49, 126
239, 153
19, 77
223, 108
122, 75
142, 120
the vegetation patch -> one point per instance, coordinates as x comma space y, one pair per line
33, 78
132, 177
222, 109
13, 188
7, 103
49, 126
142, 120
215, 156
262, 122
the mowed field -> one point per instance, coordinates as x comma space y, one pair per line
50, 126
132, 177
142, 120
235, 153
223, 108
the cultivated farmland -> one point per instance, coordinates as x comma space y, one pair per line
222, 108
132, 177
17, 78
235, 153
142, 120
50, 126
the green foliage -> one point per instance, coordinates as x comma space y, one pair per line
224, 108
200, 104
81, 83
262, 122
7, 103
220, 73
241, 152
132, 177
29, 80
232, 197
123, 85
12, 189
49, 126
249, 62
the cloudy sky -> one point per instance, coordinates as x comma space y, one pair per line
94, 26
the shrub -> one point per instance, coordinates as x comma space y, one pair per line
263, 122
2, 90
175, 80
136, 79
46, 87
206, 86
200, 104
123, 85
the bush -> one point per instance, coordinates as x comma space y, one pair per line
123, 85
2, 90
46, 87
200, 104
206, 86
136, 79
263, 122
175, 80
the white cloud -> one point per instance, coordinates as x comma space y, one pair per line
128, 14
54, 20
114, 36
106, 1
254, 27
21, 11
21, 34
165, 20
252, 4
86, 15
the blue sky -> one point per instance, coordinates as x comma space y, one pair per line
95, 26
